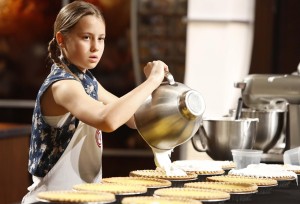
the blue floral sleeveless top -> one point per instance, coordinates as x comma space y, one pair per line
48, 143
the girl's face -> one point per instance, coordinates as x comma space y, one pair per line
83, 46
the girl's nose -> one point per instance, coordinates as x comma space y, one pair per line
95, 46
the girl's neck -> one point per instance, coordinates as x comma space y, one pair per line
69, 64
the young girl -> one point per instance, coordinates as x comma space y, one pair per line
72, 108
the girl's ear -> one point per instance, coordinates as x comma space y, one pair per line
60, 39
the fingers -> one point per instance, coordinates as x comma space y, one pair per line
161, 63
156, 69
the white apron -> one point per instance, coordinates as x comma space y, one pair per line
80, 163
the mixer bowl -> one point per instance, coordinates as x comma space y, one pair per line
218, 136
270, 126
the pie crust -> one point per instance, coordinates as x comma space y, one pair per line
117, 189
73, 196
193, 193
293, 168
278, 178
244, 179
224, 186
262, 170
227, 165
162, 175
130, 180
208, 172
157, 200
295, 171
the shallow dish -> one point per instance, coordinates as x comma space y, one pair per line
152, 184
177, 181
242, 197
285, 183
76, 197
203, 195
238, 191
119, 190
264, 190
158, 200
265, 185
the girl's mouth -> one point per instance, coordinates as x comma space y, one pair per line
93, 58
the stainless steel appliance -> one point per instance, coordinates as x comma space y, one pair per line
261, 92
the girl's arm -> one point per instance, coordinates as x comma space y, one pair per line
111, 112
107, 97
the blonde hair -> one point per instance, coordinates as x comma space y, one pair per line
66, 19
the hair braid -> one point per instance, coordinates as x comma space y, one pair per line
55, 55
54, 52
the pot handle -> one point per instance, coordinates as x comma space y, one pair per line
202, 139
170, 78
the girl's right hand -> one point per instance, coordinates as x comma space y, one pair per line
156, 70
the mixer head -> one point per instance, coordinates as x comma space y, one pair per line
269, 91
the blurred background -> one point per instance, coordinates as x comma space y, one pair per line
138, 31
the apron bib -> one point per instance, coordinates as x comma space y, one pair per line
80, 163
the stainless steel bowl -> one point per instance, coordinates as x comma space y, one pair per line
170, 116
218, 136
270, 127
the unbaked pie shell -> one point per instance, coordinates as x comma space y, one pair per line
193, 193
278, 178
224, 186
130, 180
229, 165
74, 196
244, 179
208, 172
157, 200
296, 171
162, 175
117, 189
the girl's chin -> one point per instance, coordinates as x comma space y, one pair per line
87, 67
90, 65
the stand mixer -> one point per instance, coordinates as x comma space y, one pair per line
262, 92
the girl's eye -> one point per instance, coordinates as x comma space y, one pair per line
100, 39
86, 37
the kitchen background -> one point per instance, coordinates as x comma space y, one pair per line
137, 31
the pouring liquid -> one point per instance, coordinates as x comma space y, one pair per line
162, 161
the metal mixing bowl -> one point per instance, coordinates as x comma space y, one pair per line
270, 127
218, 136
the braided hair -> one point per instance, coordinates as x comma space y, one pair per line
66, 19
